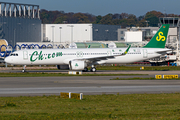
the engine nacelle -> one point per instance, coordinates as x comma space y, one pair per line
58, 67
77, 65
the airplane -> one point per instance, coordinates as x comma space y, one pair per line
81, 58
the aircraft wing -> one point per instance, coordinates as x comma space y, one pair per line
105, 57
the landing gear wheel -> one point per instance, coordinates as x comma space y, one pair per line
93, 69
85, 69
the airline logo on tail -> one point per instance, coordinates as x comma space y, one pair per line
160, 37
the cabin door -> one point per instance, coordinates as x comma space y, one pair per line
109, 53
145, 53
25, 55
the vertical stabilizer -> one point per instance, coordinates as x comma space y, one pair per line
159, 39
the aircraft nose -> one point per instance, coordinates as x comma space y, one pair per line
7, 60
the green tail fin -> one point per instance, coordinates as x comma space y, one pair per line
159, 39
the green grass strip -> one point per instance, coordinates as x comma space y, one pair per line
146, 68
130, 106
27, 74
140, 78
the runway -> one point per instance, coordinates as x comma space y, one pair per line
88, 85
152, 73
91, 90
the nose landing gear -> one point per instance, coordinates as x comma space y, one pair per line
24, 69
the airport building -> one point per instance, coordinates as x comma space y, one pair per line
19, 22
136, 34
79, 32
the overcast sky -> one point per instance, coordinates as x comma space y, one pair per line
103, 7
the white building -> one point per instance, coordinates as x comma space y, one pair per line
67, 32
133, 36
79, 32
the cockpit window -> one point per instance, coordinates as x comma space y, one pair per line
13, 54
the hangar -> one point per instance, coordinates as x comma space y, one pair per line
19, 22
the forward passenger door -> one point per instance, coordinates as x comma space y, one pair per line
25, 55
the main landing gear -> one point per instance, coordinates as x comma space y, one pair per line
93, 69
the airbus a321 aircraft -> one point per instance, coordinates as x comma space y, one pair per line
79, 59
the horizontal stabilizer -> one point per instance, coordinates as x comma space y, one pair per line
163, 51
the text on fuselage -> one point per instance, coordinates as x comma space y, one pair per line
39, 56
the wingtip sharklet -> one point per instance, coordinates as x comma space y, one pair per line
127, 50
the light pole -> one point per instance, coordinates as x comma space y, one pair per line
53, 35
146, 23
71, 32
60, 33
106, 35
14, 35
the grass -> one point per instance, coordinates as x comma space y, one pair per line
27, 74
140, 78
135, 78
151, 68
131, 106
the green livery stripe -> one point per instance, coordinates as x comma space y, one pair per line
159, 39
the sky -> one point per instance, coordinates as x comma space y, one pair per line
104, 7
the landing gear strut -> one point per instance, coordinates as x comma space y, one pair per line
24, 69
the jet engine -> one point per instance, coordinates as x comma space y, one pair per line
77, 65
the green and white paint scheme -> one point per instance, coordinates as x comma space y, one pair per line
79, 59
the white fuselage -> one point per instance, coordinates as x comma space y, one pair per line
63, 56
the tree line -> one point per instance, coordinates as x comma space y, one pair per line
124, 19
